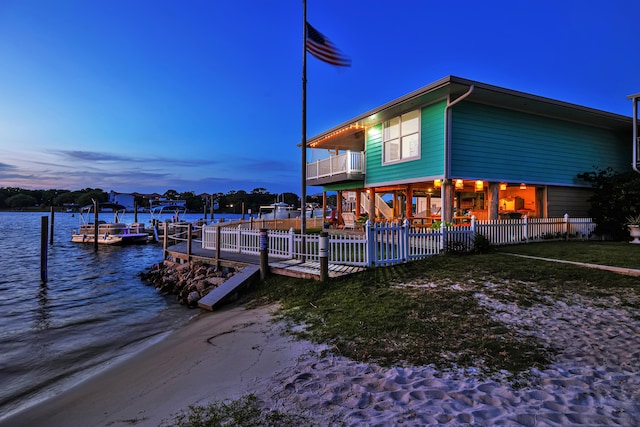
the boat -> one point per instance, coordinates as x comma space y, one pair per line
169, 215
109, 233
279, 210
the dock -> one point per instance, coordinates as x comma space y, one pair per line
282, 267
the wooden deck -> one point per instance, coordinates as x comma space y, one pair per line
282, 267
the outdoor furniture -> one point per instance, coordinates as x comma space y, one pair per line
349, 219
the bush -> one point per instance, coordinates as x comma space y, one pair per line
481, 244
615, 197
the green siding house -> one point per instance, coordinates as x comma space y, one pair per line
457, 148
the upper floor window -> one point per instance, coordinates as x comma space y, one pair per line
401, 137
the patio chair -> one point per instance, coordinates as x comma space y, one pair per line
349, 219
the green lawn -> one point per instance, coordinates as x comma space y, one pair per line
617, 254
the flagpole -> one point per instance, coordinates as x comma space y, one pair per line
303, 203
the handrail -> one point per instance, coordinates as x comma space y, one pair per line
349, 162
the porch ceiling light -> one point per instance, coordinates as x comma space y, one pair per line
437, 183
523, 186
459, 184
503, 186
479, 185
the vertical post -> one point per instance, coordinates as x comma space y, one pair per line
204, 208
51, 230
165, 240
324, 256
566, 226
212, 204
189, 239
135, 211
264, 253
218, 233
95, 225
44, 225
303, 197
243, 211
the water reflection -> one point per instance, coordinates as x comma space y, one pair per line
42, 319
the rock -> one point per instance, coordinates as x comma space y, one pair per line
193, 298
189, 282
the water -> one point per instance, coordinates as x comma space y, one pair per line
93, 309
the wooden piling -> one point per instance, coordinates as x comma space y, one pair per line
218, 246
51, 230
189, 239
324, 256
95, 225
165, 241
44, 254
264, 253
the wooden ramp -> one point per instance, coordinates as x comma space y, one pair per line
247, 275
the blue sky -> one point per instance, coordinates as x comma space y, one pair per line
205, 95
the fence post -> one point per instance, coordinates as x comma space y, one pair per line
239, 239
525, 228
218, 243
323, 253
472, 228
292, 234
566, 226
443, 236
369, 244
264, 253
405, 240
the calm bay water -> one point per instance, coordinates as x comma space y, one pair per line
93, 309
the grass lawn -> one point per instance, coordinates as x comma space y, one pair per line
617, 254
428, 311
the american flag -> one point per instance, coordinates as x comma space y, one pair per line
322, 48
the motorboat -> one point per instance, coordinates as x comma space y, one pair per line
166, 216
109, 233
279, 210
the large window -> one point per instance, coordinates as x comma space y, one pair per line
401, 137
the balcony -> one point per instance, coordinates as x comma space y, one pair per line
348, 166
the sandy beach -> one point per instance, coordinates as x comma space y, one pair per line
595, 379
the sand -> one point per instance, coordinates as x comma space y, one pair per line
595, 379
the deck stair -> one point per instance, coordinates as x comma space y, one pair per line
381, 206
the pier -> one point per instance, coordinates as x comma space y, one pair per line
283, 267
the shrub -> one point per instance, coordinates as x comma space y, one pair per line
481, 244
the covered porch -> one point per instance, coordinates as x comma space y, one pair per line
428, 202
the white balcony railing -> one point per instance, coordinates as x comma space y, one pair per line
350, 162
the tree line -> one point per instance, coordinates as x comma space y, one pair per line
234, 201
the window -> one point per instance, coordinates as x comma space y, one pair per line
401, 137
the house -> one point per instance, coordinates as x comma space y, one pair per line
125, 199
458, 147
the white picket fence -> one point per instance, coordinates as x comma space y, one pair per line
396, 242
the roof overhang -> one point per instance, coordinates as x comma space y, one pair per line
350, 134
